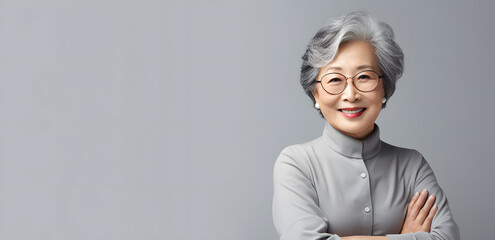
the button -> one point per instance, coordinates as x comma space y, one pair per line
367, 209
363, 175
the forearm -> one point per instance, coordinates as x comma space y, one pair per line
365, 238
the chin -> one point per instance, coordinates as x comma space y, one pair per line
355, 129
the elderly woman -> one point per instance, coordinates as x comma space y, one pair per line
348, 184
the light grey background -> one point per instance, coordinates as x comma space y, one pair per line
162, 119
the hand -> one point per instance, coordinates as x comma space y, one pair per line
419, 214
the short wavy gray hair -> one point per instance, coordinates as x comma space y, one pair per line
358, 25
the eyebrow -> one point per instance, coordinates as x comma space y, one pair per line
358, 68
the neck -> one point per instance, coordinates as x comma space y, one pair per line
351, 146
360, 136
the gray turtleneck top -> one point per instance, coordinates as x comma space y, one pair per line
337, 186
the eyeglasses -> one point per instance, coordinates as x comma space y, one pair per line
335, 83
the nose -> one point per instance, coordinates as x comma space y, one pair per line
350, 93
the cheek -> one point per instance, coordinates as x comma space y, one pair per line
376, 105
378, 95
376, 101
328, 100
328, 105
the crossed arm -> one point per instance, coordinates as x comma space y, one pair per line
297, 214
420, 213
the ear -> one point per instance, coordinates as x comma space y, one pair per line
384, 89
315, 93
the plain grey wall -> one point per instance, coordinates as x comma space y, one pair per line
162, 119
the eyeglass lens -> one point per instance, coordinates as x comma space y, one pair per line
335, 82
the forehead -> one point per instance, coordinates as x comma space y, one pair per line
353, 56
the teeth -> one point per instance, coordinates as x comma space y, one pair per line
355, 111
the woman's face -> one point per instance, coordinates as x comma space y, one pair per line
352, 57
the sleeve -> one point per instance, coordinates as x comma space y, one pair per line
296, 213
443, 226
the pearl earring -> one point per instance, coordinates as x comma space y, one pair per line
317, 105
384, 100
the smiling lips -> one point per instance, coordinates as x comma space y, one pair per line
352, 112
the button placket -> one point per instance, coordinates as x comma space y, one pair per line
366, 209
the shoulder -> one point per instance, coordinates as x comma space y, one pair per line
402, 154
299, 155
301, 150
409, 162
402, 151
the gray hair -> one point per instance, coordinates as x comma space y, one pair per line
357, 25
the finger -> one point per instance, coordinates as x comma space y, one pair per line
413, 200
427, 224
419, 204
410, 206
426, 209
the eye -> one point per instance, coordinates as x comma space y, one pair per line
335, 80
364, 76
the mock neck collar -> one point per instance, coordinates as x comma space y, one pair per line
351, 147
